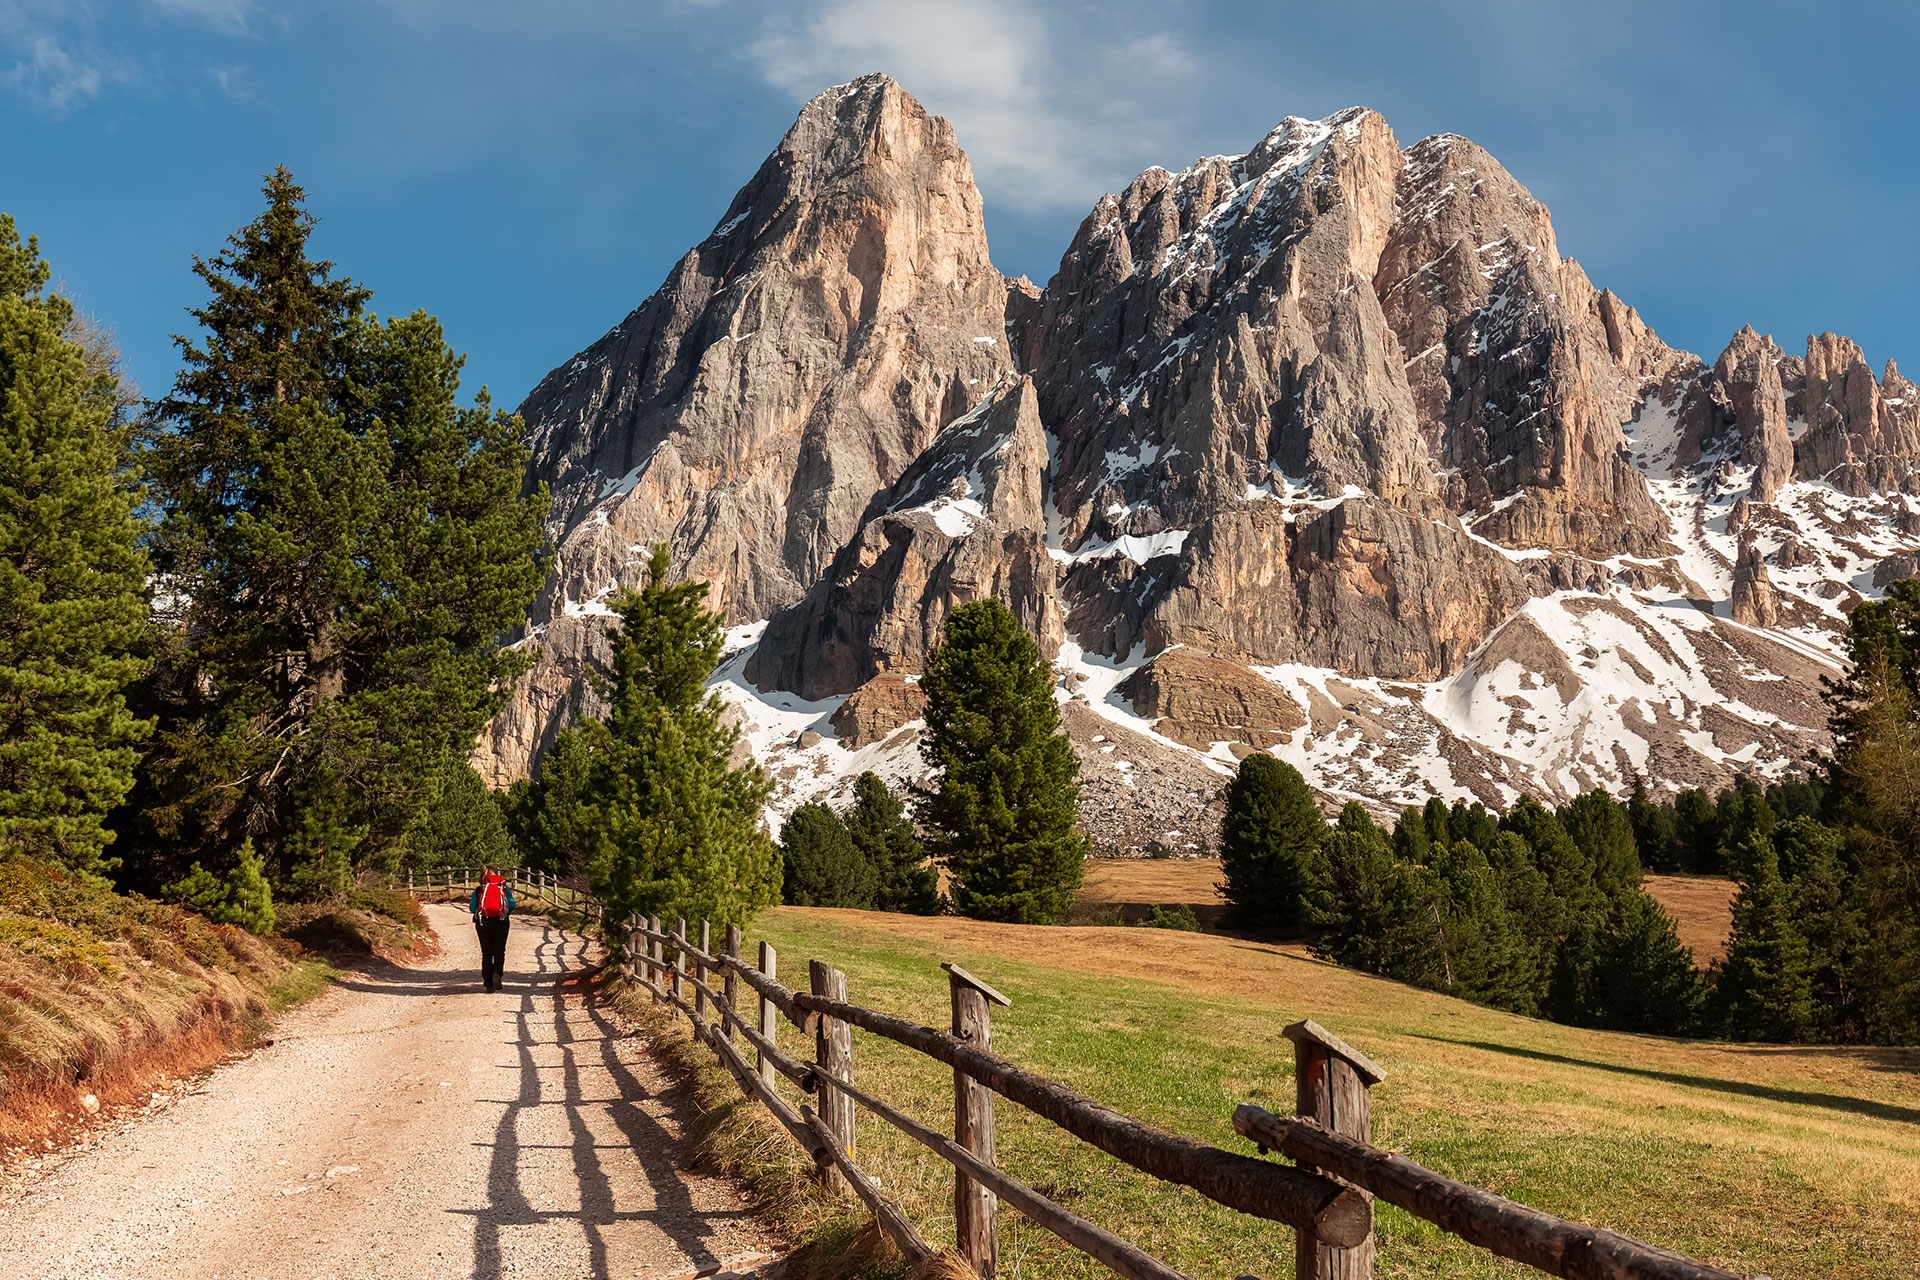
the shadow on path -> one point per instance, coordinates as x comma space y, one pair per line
642, 1137
1767, 1093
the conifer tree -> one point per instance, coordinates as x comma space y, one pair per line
73, 603
1410, 840
1268, 839
1370, 910
348, 543
1696, 831
680, 830
881, 832
820, 865
1600, 826
1003, 816
244, 898
461, 825
1643, 977
1763, 988
1653, 829
551, 817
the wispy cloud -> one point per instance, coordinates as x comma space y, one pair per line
227, 15
981, 63
58, 81
1162, 54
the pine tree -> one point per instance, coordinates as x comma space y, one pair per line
881, 832
1696, 830
1643, 977
1268, 839
680, 830
349, 544
1371, 911
73, 603
1600, 826
1653, 829
820, 865
1003, 816
1763, 988
1410, 840
460, 826
551, 817
244, 898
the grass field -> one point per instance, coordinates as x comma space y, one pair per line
1795, 1162
1701, 906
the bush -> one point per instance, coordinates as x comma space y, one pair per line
1179, 916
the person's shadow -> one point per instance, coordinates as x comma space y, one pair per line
542, 1009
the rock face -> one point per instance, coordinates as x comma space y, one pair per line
1199, 701
877, 709
967, 521
794, 363
1334, 409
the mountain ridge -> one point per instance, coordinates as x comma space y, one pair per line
1332, 416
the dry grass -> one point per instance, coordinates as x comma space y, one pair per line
1796, 1162
102, 993
1702, 909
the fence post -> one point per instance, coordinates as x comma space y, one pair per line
409, 879
679, 955
730, 989
833, 1052
770, 966
976, 1211
655, 954
700, 972
1330, 1080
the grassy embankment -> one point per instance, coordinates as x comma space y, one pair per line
1796, 1162
103, 994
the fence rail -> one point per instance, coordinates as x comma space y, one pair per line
1326, 1196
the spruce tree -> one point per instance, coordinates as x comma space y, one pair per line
680, 828
1268, 839
1410, 840
73, 604
460, 825
551, 817
1653, 829
348, 544
1696, 831
820, 864
1601, 827
881, 832
1002, 818
1763, 988
1370, 910
1643, 977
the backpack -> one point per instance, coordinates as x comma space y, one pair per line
493, 899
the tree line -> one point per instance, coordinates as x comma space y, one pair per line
1543, 912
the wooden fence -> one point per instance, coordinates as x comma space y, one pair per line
1326, 1196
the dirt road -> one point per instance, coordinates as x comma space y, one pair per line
403, 1125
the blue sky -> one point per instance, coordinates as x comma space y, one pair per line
529, 169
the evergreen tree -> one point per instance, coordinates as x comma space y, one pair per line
1763, 988
461, 826
349, 543
680, 830
1268, 839
1696, 829
73, 601
1740, 813
1482, 952
879, 828
1829, 912
1410, 841
244, 898
1600, 826
1536, 921
551, 817
820, 864
1002, 818
1472, 823
1643, 978
1370, 910
1653, 830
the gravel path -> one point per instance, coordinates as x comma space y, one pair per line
405, 1124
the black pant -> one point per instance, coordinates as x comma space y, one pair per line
493, 950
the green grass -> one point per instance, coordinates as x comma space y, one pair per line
1793, 1162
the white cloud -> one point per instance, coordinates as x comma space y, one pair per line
983, 64
57, 80
1162, 54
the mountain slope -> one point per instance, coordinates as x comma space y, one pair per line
1323, 449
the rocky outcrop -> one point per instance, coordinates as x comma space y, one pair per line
1522, 371
877, 709
1861, 436
1198, 701
1755, 602
1739, 409
967, 521
793, 364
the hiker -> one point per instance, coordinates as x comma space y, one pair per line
492, 907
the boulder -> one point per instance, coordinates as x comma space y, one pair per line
1198, 700
877, 708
